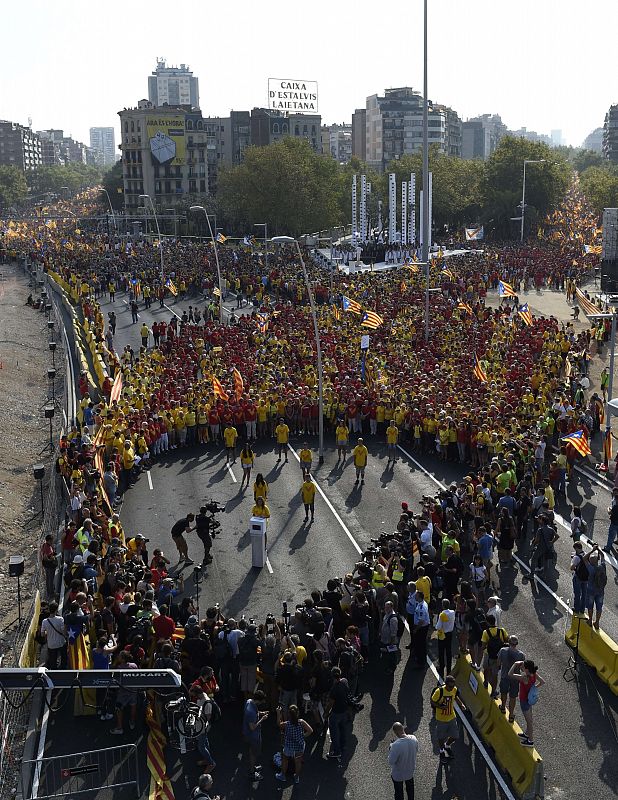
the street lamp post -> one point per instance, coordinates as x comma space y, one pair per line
214, 244
265, 226
111, 208
426, 224
316, 331
523, 193
154, 213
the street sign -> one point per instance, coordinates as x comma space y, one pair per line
41, 678
81, 770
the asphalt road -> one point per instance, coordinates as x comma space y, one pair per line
575, 722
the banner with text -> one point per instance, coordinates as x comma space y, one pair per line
299, 97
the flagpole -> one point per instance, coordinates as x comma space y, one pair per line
316, 331
149, 198
426, 230
214, 244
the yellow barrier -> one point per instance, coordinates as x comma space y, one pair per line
523, 765
596, 648
27, 657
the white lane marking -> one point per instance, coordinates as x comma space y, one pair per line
229, 469
171, 310
149, 480
268, 566
566, 606
471, 732
356, 545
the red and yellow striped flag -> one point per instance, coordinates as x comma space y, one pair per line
479, 372
239, 386
218, 389
336, 312
465, 307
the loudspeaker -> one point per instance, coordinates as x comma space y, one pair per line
52, 346
49, 412
51, 374
38, 471
16, 566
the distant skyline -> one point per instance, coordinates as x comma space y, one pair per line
539, 64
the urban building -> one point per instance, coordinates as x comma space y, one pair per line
337, 142
173, 86
103, 142
56, 148
594, 141
610, 135
269, 126
481, 135
359, 133
164, 153
394, 127
531, 136
556, 138
19, 146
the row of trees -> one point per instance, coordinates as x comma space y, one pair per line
16, 187
298, 191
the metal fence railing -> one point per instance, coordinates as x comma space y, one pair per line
79, 773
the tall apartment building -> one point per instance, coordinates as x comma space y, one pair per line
19, 146
481, 135
394, 127
164, 153
594, 141
269, 126
359, 133
56, 148
103, 142
531, 136
610, 135
337, 142
173, 86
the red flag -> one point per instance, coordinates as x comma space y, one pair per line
218, 389
239, 386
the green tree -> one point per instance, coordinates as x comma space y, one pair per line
546, 183
113, 184
54, 178
587, 158
13, 186
284, 184
600, 185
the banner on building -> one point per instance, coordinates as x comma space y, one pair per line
300, 97
412, 199
363, 210
474, 234
166, 139
404, 213
392, 208
354, 213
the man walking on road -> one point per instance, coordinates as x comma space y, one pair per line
307, 491
443, 702
282, 432
402, 761
360, 454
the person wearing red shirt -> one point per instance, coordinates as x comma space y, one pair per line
215, 423
164, 626
251, 421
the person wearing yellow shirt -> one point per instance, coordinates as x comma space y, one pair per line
423, 584
341, 437
282, 432
307, 491
262, 418
191, 424
181, 427
306, 457
392, 436
260, 488
247, 459
128, 463
360, 454
260, 509
443, 702
202, 423
230, 434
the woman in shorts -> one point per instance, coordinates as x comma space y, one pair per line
295, 731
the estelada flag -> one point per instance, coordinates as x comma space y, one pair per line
465, 307
371, 320
351, 305
218, 389
579, 441
239, 386
505, 289
336, 312
479, 372
524, 313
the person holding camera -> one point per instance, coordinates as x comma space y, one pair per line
202, 529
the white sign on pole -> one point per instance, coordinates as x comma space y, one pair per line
365, 341
354, 213
420, 230
363, 210
404, 213
392, 209
299, 97
430, 208
412, 199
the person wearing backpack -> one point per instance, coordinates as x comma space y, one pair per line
597, 581
526, 674
492, 641
249, 647
443, 701
579, 569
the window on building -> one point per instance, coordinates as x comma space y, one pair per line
284, 128
296, 130
202, 186
132, 126
199, 125
189, 125
126, 126
275, 127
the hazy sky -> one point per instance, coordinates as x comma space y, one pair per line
542, 64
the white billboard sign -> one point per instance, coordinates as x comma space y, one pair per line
300, 97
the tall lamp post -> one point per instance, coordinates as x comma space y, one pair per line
290, 240
111, 208
214, 244
426, 232
265, 226
156, 219
523, 193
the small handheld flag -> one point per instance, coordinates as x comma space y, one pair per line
579, 440
336, 312
448, 274
465, 307
218, 389
171, 286
239, 386
479, 372
351, 305
216, 291
505, 290
371, 320
221, 238
524, 313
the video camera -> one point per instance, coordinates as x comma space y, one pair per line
213, 507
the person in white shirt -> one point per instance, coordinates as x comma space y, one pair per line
402, 761
444, 627
495, 609
52, 628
